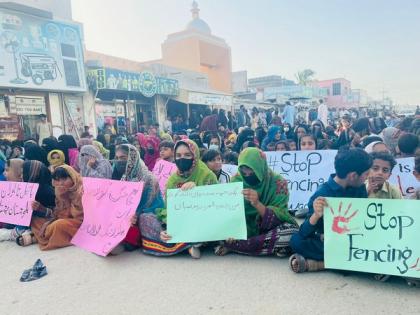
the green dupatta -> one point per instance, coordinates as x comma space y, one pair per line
272, 189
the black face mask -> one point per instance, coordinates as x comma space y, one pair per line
151, 151
184, 164
119, 169
251, 180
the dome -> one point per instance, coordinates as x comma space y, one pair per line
199, 25
196, 23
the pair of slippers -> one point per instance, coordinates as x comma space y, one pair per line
36, 272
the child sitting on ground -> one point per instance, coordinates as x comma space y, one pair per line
378, 185
166, 151
352, 169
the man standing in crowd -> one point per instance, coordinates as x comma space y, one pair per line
242, 121
289, 114
323, 112
167, 124
43, 128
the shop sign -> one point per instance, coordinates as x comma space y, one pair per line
3, 109
105, 110
41, 54
210, 99
143, 82
30, 105
147, 83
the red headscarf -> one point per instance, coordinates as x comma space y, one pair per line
150, 159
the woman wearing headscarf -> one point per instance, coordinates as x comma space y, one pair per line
152, 151
273, 135
55, 158
390, 137
59, 226
245, 135
92, 163
36, 172
130, 167
269, 224
191, 172
68, 145
101, 149
49, 144
35, 152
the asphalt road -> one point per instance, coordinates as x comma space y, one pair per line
79, 282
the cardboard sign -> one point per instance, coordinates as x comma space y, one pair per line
108, 207
163, 170
373, 235
16, 202
403, 178
206, 213
304, 171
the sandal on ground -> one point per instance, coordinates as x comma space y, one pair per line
304, 265
301, 263
194, 252
36, 272
221, 250
26, 239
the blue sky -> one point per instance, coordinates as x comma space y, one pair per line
375, 44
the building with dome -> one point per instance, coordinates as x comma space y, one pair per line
197, 49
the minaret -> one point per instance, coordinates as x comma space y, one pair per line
195, 10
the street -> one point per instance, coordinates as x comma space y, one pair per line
79, 282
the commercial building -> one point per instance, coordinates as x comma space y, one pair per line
41, 71
338, 92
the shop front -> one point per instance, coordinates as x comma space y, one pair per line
41, 67
128, 100
193, 105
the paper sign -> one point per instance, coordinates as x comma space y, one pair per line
403, 178
232, 170
304, 171
108, 206
16, 202
162, 170
373, 235
206, 213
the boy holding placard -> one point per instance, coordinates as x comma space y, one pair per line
352, 169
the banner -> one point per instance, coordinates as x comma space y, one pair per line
403, 178
232, 170
40, 54
162, 170
304, 171
16, 202
108, 207
206, 213
373, 235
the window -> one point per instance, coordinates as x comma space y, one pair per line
336, 89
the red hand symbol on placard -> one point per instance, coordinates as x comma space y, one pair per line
336, 226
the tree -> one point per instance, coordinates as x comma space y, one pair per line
305, 77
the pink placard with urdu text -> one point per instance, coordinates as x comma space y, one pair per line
108, 206
16, 202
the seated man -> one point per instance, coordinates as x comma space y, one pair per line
352, 168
